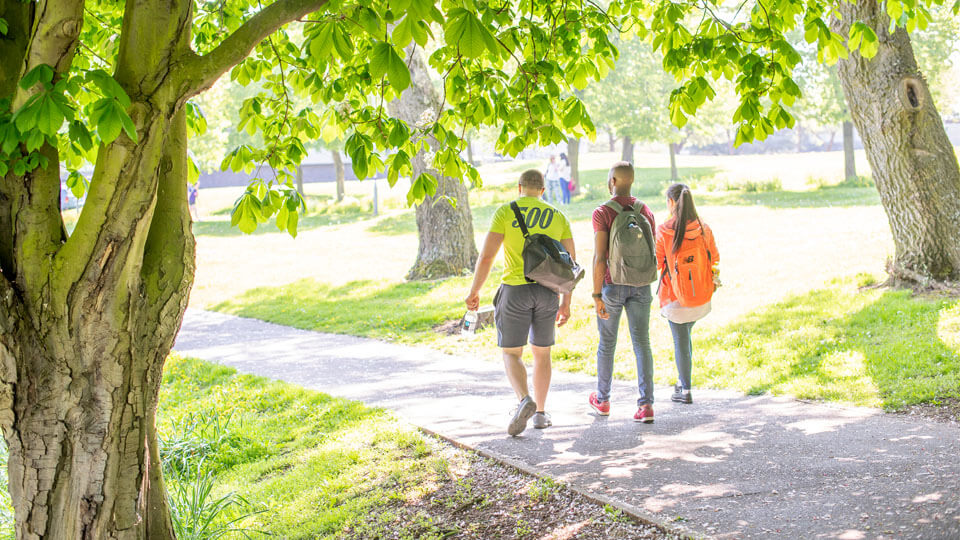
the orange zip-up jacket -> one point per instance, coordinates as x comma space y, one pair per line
665, 241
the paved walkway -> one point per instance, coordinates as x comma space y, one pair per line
727, 466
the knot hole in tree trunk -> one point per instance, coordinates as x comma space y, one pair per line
911, 94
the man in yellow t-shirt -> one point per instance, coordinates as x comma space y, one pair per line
523, 308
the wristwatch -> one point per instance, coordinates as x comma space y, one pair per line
598, 295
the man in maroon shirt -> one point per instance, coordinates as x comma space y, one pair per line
612, 299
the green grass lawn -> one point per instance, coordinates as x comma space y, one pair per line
308, 464
840, 343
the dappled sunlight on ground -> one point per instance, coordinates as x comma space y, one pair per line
670, 495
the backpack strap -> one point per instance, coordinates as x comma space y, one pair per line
615, 205
703, 233
519, 216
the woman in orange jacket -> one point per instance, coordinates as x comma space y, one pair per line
688, 277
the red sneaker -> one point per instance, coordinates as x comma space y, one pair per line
644, 414
602, 407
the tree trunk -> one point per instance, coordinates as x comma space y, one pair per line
913, 162
613, 141
849, 160
338, 165
300, 180
470, 152
86, 322
833, 138
627, 153
573, 154
447, 246
674, 175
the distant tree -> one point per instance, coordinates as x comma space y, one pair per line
632, 100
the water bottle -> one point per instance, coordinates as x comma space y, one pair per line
469, 327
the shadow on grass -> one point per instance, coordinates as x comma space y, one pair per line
401, 311
864, 347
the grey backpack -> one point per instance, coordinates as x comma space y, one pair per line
632, 257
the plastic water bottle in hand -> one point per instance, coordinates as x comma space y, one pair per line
469, 327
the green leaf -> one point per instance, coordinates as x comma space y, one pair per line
870, 44
466, 31
3, 32
40, 74
77, 183
342, 43
384, 60
105, 118
109, 86
49, 117
403, 33
399, 134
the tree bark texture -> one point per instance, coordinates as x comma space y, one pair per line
913, 162
86, 322
849, 160
626, 153
573, 154
447, 246
338, 165
674, 174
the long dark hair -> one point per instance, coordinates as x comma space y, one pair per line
685, 212
565, 160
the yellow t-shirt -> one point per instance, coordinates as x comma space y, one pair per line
540, 217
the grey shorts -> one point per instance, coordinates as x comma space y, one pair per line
522, 310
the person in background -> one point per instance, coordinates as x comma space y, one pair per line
523, 309
193, 191
687, 257
565, 182
552, 177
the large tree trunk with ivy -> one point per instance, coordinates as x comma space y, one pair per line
87, 321
626, 153
341, 181
914, 164
447, 246
849, 159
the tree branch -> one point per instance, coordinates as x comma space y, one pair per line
205, 70
168, 260
53, 41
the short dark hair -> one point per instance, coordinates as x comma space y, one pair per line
621, 169
532, 178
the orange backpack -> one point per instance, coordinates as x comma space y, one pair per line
691, 271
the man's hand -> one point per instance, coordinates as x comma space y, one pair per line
473, 301
563, 314
601, 308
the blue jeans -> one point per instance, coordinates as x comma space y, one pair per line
565, 189
683, 351
553, 194
636, 302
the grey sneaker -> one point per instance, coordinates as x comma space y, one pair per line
524, 411
680, 395
541, 420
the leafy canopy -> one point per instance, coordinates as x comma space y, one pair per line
512, 64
